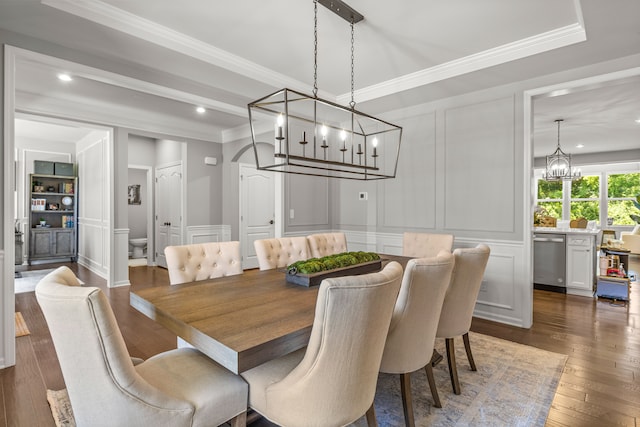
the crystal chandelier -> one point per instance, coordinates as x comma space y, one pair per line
314, 136
559, 164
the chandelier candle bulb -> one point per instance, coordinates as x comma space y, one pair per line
279, 123
323, 132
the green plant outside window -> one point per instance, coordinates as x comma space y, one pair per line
585, 198
549, 190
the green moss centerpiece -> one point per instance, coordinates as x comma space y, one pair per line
312, 271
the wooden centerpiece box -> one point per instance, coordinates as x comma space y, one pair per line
313, 279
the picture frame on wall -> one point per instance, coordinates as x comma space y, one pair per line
134, 194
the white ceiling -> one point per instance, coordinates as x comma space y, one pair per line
153, 60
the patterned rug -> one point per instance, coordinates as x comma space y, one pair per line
61, 408
513, 386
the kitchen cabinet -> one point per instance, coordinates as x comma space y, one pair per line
579, 259
580, 264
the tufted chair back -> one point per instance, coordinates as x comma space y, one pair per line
174, 388
324, 244
280, 252
425, 245
202, 261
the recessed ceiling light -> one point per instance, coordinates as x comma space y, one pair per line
638, 121
201, 110
580, 146
64, 77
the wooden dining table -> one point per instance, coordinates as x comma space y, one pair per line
239, 321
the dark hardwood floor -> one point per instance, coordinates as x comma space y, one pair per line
600, 385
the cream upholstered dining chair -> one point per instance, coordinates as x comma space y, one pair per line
332, 381
281, 251
202, 261
323, 244
425, 245
180, 387
414, 323
457, 309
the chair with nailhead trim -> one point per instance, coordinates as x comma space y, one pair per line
280, 252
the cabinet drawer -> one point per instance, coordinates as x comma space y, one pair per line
581, 241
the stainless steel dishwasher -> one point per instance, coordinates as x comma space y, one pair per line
549, 262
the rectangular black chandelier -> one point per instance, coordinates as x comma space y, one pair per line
313, 136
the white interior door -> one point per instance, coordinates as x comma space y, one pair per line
168, 210
257, 211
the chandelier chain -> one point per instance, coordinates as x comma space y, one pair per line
352, 104
315, 48
558, 121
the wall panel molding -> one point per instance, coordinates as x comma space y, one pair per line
208, 233
501, 295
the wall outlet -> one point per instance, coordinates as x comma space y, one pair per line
292, 214
363, 195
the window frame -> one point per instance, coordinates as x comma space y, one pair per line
603, 171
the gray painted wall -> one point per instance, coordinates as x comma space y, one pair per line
137, 214
142, 150
204, 184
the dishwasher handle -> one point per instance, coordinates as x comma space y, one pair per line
549, 239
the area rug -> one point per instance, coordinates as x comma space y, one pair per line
21, 326
513, 386
29, 279
61, 408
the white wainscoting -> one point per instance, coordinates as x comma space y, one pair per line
121, 257
208, 233
92, 247
505, 289
8, 332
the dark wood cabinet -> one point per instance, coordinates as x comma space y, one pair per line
53, 217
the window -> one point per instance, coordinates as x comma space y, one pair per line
550, 197
604, 195
585, 198
622, 189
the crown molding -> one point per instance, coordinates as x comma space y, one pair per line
544, 42
108, 115
128, 23
125, 82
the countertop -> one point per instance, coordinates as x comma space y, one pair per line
565, 230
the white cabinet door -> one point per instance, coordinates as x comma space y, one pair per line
580, 271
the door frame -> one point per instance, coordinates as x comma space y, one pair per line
150, 173
529, 179
7, 266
